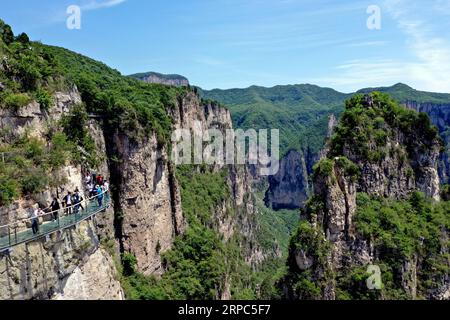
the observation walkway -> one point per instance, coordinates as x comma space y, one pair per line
14, 234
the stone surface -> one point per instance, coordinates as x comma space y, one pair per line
288, 189
96, 279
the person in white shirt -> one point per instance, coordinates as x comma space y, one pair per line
87, 178
105, 186
35, 219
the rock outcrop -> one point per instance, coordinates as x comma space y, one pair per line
288, 189
440, 116
148, 212
68, 264
329, 245
166, 79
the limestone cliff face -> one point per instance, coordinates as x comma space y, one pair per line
409, 163
148, 212
288, 188
144, 219
66, 264
440, 116
171, 80
148, 203
191, 114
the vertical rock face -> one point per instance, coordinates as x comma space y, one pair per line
67, 264
171, 79
190, 114
148, 201
288, 188
440, 116
96, 279
148, 206
409, 163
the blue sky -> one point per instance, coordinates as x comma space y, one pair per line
238, 43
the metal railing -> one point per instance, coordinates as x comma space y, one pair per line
20, 231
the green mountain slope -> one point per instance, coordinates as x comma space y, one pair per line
300, 112
403, 93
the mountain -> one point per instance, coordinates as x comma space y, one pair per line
186, 232
302, 113
166, 79
209, 231
375, 220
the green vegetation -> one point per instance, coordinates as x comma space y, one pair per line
300, 112
303, 283
27, 70
15, 101
199, 262
368, 121
133, 106
29, 165
409, 233
403, 93
325, 167
74, 125
403, 231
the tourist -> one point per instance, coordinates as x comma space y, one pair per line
94, 176
76, 200
35, 219
67, 201
105, 186
100, 180
54, 206
90, 189
99, 196
87, 179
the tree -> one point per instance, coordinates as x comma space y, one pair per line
23, 38
7, 34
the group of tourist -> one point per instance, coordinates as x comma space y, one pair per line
95, 184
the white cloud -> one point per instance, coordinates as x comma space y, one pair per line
432, 52
94, 4
428, 67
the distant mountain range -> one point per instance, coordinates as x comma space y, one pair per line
301, 112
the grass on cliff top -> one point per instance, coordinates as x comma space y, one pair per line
135, 107
33, 71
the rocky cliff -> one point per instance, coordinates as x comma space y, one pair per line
288, 189
148, 206
440, 116
65, 264
146, 216
348, 223
192, 115
166, 79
